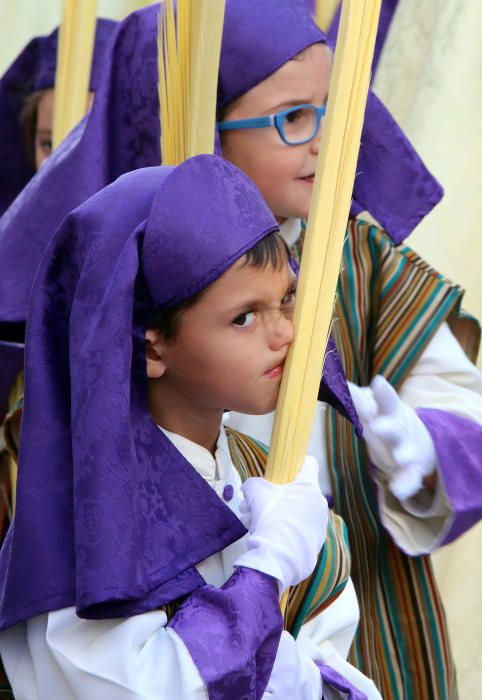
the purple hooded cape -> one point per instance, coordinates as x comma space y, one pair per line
110, 517
32, 70
122, 134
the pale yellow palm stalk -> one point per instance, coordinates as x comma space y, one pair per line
188, 52
325, 11
74, 61
323, 246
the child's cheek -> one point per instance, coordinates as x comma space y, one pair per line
276, 194
273, 177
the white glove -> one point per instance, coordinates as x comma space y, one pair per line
294, 674
287, 525
398, 442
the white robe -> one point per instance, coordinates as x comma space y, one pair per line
60, 656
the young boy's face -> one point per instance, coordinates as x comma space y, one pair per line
230, 346
283, 173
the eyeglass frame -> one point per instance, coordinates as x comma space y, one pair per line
275, 120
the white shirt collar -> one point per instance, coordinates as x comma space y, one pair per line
211, 468
290, 231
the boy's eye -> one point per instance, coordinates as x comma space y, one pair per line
245, 319
45, 146
289, 299
293, 116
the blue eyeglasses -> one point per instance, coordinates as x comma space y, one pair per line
295, 125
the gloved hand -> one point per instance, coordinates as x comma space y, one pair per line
287, 525
398, 442
294, 674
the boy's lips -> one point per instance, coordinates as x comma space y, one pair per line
275, 371
308, 179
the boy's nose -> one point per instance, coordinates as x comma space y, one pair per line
280, 332
315, 142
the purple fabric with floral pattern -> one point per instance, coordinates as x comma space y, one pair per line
335, 680
110, 517
122, 133
32, 70
258, 38
458, 444
232, 634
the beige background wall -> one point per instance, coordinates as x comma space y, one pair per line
430, 78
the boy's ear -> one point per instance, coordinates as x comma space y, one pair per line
154, 354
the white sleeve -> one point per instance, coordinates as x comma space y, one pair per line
58, 655
328, 637
294, 674
443, 378
324, 640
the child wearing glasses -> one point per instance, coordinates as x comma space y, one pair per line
411, 484
418, 396
128, 572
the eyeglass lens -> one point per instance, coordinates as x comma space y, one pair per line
299, 124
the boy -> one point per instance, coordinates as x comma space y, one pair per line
128, 500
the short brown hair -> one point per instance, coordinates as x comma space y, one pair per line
270, 250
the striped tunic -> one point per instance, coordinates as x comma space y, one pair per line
389, 305
309, 598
